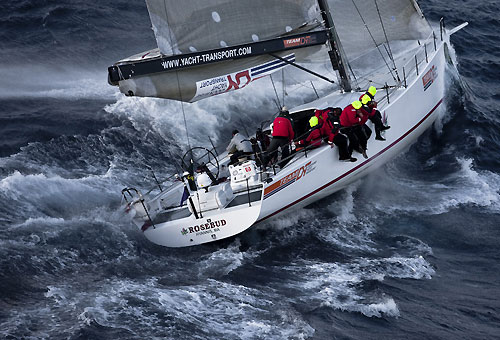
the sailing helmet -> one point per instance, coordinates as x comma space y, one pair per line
203, 180
372, 90
313, 121
357, 104
365, 99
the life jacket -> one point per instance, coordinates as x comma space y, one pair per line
334, 116
327, 117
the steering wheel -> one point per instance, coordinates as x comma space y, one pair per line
200, 156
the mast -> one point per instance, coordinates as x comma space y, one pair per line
336, 56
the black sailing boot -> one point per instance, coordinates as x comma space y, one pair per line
379, 137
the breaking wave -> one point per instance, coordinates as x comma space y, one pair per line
411, 240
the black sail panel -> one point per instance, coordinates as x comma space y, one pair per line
194, 76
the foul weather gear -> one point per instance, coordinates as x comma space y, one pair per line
239, 143
282, 127
370, 106
330, 129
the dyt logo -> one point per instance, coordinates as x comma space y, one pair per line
297, 41
289, 179
429, 77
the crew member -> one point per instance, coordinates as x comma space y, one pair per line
239, 146
263, 139
282, 136
314, 138
330, 130
256, 151
352, 120
370, 106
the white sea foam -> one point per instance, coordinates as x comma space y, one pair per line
337, 285
166, 119
231, 311
386, 307
345, 209
354, 235
40, 191
467, 186
40, 81
224, 260
50, 204
30, 222
58, 294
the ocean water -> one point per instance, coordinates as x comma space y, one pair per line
411, 251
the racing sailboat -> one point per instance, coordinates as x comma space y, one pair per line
211, 47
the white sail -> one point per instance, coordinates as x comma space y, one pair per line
361, 28
190, 26
372, 34
220, 42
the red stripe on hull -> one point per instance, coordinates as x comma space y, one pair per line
356, 168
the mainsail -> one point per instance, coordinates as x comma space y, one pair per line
205, 25
215, 46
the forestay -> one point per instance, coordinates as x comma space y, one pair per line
364, 25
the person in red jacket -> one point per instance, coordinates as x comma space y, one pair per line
315, 137
330, 130
370, 106
283, 135
353, 120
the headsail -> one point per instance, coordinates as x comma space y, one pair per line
215, 46
367, 25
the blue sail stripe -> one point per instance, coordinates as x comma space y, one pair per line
282, 64
271, 63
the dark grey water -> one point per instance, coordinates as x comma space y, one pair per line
411, 251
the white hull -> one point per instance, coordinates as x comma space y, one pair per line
304, 180
410, 113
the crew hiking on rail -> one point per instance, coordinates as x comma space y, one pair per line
345, 129
370, 106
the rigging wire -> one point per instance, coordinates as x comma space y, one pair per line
354, 75
275, 92
182, 107
389, 52
314, 89
283, 84
374, 41
168, 29
178, 83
